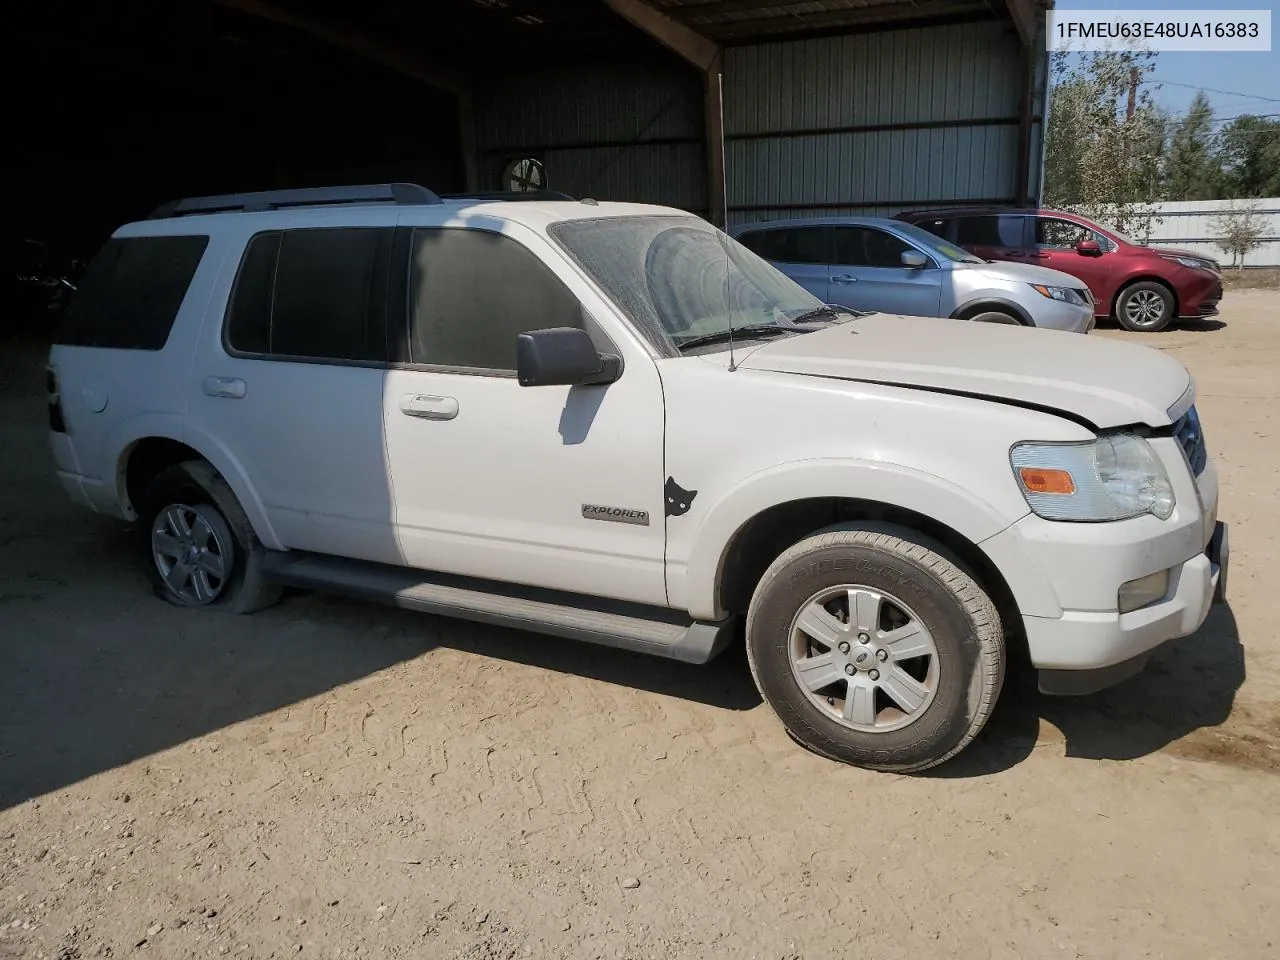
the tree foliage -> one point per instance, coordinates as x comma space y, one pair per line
1193, 170
1239, 229
1249, 157
1101, 159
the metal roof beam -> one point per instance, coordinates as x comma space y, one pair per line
686, 42
394, 57
1023, 14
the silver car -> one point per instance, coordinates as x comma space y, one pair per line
887, 266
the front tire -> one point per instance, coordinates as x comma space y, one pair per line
1145, 307
995, 316
199, 547
876, 649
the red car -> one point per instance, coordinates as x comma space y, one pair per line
1144, 288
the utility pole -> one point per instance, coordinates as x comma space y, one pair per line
1129, 112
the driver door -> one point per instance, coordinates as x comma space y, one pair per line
492, 479
1056, 241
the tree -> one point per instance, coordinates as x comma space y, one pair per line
1193, 171
1104, 137
1240, 229
1249, 155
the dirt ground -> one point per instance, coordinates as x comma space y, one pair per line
333, 779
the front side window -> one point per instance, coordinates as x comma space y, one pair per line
677, 278
1060, 233
312, 294
130, 294
868, 247
473, 292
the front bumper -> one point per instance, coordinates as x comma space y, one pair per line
1055, 315
1134, 636
1199, 296
1066, 577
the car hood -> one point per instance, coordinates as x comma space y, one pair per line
1106, 383
1027, 272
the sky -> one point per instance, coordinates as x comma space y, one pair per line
1243, 77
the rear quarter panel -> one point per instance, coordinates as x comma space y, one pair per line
112, 397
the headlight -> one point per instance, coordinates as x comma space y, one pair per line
1062, 294
1110, 478
1191, 262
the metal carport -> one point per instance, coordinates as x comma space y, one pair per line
735, 109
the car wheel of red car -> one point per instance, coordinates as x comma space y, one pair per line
1145, 307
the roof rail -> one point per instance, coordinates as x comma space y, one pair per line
508, 195
399, 193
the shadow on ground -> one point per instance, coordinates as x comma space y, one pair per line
95, 672
1189, 685
1193, 325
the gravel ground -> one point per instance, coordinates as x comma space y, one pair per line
333, 779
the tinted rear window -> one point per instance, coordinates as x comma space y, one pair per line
990, 231
316, 294
790, 244
129, 296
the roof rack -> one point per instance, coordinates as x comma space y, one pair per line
508, 195
399, 193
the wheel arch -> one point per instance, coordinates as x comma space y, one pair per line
749, 528
1128, 282
150, 445
979, 304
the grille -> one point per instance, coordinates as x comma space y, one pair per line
1191, 439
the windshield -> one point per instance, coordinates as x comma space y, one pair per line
935, 244
679, 278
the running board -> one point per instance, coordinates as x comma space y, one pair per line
628, 626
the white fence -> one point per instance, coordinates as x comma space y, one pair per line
1189, 224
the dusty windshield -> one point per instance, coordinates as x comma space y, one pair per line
681, 280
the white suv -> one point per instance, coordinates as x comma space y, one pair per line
611, 422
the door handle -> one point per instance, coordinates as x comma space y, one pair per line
844, 278
428, 407
232, 388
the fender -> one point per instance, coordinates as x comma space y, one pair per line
172, 427
1007, 305
695, 586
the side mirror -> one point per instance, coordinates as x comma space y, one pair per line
913, 259
1088, 248
562, 356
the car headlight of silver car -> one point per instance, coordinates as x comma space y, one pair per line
1110, 478
1061, 294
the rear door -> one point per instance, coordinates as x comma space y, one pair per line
868, 274
290, 386
996, 236
802, 253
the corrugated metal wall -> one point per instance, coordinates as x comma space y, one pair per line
629, 131
1193, 225
873, 123
866, 124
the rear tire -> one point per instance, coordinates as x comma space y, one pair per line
199, 547
875, 649
1145, 307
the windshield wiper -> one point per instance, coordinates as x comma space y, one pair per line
749, 332
827, 312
